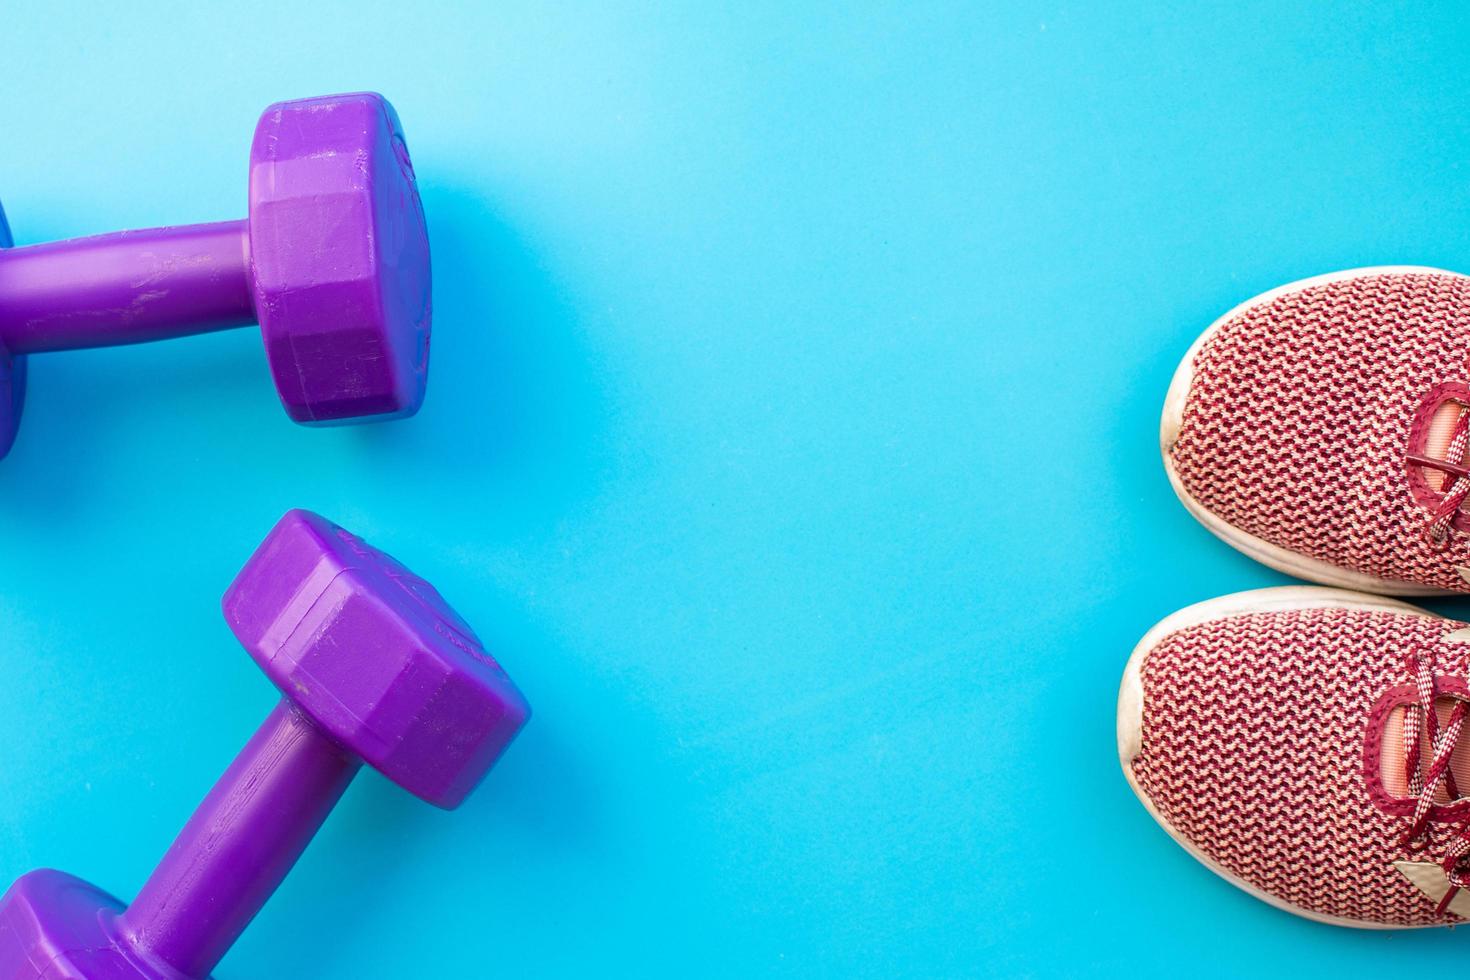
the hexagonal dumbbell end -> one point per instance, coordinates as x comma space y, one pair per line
373, 666
339, 257
57, 927
375, 656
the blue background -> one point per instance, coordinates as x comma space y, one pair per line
791, 437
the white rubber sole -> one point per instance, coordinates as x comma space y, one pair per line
1130, 701
1274, 556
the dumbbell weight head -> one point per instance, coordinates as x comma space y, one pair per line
377, 666
339, 259
418, 698
12, 374
55, 926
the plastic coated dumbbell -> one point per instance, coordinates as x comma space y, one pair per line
374, 666
332, 262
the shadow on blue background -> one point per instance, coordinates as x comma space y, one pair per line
791, 438
513, 408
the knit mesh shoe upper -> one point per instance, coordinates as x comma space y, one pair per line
1261, 740
1306, 409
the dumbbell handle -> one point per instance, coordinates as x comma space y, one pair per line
125, 288
239, 844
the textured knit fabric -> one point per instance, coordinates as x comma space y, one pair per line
1252, 749
1296, 425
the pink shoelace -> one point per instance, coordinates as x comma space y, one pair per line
1437, 533
1422, 721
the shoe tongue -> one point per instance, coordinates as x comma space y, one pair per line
1437, 441
1392, 772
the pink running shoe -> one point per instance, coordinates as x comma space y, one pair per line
1322, 429
1310, 746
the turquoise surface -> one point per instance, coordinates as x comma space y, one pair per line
791, 436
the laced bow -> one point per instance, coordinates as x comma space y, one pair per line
1421, 721
1457, 481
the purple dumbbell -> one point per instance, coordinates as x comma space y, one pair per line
332, 262
375, 667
